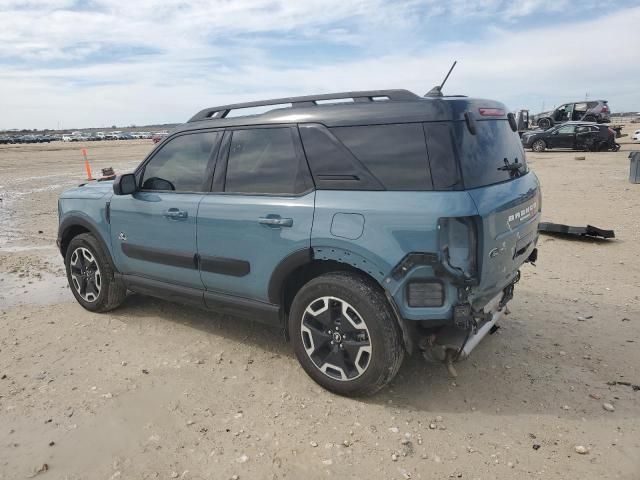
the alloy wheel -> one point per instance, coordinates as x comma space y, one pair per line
336, 338
538, 146
85, 274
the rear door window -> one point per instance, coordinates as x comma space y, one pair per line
181, 164
264, 160
395, 154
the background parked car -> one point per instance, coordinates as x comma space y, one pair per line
586, 136
587, 111
159, 136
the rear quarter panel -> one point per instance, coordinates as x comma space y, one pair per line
395, 224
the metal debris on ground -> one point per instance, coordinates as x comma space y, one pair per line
635, 388
578, 232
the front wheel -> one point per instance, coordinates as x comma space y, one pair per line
91, 275
538, 146
544, 123
345, 335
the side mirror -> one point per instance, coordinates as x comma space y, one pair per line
125, 184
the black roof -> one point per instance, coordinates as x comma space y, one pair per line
358, 108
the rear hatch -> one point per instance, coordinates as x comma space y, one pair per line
507, 195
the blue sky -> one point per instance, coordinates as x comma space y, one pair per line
74, 63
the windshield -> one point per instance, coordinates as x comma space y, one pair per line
493, 155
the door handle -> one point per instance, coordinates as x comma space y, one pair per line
276, 221
175, 214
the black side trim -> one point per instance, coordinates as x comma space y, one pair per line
225, 266
287, 265
262, 312
157, 255
164, 290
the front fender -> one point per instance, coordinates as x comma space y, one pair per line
77, 220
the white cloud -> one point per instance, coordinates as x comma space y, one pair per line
63, 66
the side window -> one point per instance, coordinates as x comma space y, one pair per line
567, 129
264, 160
395, 154
181, 164
442, 154
333, 166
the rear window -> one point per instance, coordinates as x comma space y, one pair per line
483, 155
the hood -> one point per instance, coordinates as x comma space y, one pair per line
543, 114
89, 190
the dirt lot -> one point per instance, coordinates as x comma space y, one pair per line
155, 390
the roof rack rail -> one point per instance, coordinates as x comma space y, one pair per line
307, 101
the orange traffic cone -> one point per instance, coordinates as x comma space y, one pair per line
87, 167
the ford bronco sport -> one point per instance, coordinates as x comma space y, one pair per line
366, 224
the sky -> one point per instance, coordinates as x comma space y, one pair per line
95, 63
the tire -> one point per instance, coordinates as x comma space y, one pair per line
363, 357
544, 123
89, 266
538, 146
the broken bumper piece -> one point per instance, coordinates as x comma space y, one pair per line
580, 232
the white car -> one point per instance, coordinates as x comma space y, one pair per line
636, 135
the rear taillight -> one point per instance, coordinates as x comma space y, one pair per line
491, 112
605, 109
459, 244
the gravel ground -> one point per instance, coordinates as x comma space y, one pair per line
156, 390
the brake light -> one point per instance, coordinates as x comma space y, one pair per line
491, 112
605, 109
459, 244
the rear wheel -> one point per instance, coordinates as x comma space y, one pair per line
91, 275
344, 334
544, 123
539, 146
589, 118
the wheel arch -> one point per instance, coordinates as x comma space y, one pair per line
305, 264
302, 266
76, 225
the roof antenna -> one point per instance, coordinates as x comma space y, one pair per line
437, 90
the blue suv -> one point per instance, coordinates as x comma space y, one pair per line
366, 224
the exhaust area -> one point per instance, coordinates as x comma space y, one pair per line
452, 344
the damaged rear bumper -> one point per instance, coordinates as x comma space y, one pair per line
454, 343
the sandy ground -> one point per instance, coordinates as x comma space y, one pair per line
155, 390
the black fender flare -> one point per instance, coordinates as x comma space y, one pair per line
286, 266
77, 220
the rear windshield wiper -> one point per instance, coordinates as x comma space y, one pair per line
514, 169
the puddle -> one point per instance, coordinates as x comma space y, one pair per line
50, 289
27, 248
